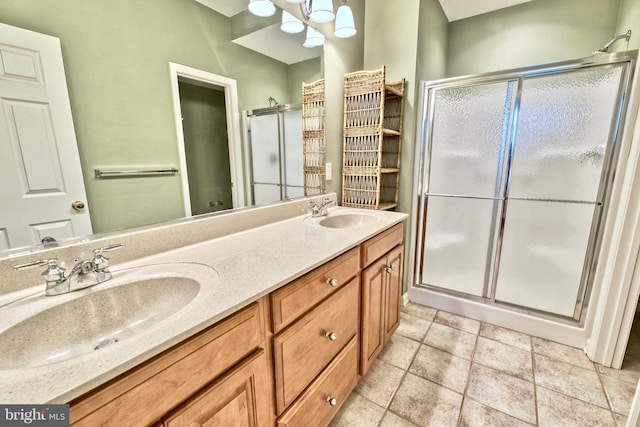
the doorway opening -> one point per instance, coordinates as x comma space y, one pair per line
204, 125
208, 136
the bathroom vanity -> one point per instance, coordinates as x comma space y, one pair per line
288, 316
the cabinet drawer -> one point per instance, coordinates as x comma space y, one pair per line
147, 392
336, 382
295, 299
304, 349
377, 246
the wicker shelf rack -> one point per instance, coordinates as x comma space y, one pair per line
313, 139
373, 111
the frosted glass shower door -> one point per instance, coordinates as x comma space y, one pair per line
275, 136
556, 186
467, 148
265, 158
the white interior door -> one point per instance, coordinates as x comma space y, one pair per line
40, 167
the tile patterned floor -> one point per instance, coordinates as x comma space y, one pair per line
443, 370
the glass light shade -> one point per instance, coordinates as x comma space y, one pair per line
322, 11
314, 38
291, 24
345, 27
261, 7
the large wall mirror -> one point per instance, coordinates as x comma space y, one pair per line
117, 58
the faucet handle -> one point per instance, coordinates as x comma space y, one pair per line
100, 261
53, 273
108, 248
32, 264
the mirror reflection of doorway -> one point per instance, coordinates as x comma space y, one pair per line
204, 125
209, 145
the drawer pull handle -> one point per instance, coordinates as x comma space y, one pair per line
332, 401
332, 282
332, 336
389, 269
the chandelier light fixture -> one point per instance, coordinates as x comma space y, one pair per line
345, 27
314, 38
262, 8
313, 11
291, 24
318, 11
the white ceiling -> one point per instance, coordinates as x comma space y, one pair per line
460, 9
226, 7
288, 48
271, 41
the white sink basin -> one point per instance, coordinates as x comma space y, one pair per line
58, 328
346, 218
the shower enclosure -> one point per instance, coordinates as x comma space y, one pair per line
513, 178
274, 148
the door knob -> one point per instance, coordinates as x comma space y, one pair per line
78, 205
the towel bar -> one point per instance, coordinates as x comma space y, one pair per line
134, 172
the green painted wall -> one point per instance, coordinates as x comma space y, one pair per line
629, 19
117, 56
392, 40
341, 56
306, 71
411, 42
432, 42
536, 32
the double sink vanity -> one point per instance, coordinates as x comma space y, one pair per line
256, 317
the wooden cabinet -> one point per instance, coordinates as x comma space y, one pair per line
237, 399
290, 359
381, 288
148, 392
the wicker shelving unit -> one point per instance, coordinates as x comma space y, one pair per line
373, 112
313, 142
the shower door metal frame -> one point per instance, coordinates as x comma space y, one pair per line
279, 111
423, 160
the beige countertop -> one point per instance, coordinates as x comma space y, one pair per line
233, 271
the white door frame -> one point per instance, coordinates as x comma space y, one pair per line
233, 128
620, 274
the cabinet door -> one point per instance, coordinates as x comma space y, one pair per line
156, 387
373, 297
238, 399
393, 290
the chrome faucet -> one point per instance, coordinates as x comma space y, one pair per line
321, 209
85, 273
